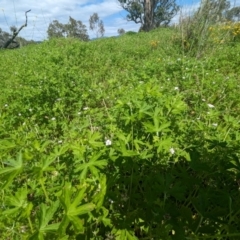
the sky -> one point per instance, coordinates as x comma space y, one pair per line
43, 12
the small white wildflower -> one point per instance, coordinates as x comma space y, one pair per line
217, 70
85, 108
19, 114
172, 151
111, 201
210, 105
5, 105
168, 79
30, 110
215, 124
53, 119
176, 88
203, 100
183, 77
108, 142
79, 113
213, 82
60, 141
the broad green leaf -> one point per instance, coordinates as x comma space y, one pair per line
63, 225
6, 144
77, 224
43, 166
83, 209
46, 215
7, 174
73, 208
124, 234
93, 165
92, 139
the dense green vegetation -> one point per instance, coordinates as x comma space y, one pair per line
120, 138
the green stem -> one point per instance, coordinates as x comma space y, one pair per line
200, 222
30, 224
44, 190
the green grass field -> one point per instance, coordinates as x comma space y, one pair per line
120, 138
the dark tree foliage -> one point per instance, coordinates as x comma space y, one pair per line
121, 31
150, 13
73, 28
95, 24
233, 14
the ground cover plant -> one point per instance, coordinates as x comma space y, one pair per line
120, 138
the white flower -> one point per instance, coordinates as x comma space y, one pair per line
79, 113
60, 141
215, 124
19, 114
203, 100
210, 105
176, 88
108, 142
172, 151
85, 108
30, 110
5, 105
53, 119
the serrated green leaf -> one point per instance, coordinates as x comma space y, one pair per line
9, 173
77, 224
46, 214
83, 209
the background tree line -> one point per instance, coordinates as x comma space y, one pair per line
76, 28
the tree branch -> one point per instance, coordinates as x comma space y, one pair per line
15, 33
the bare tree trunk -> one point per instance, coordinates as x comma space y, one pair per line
15, 33
148, 15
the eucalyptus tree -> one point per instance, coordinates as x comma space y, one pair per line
73, 28
95, 24
150, 13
